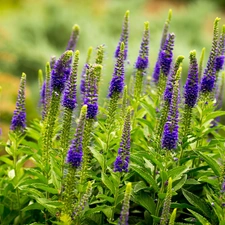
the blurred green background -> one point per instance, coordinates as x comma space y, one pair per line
31, 31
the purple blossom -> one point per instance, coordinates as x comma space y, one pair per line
166, 55
74, 155
208, 82
191, 86
170, 134
219, 62
117, 82
18, 122
156, 71
91, 93
61, 71
209, 77
142, 60
69, 96
124, 37
122, 160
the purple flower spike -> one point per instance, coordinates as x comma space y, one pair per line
209, 77
142, 60
219, 63
124, 37
170, 134
74, 155
69, 97
208, 82
156, 71
91, 92
18, 122
191, 86
122, 160
73, 38
60, 72
117, 82
166, 55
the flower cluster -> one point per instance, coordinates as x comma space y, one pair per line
123, 157
61, 71
142, 60
191, 86
124, 37
69, 97
91, 92
117, 82
18, 122
74, 155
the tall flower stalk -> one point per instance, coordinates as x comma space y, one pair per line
18, 123
124, 214
122, 160
116, 86
124, 37
58, 79
170, 133
167, 101
190, 92
69, 103
209, 77
91, 100
156, 71
73, 162
166, 58
142, 62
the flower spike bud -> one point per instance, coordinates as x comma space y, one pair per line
167, 203
124, 215
122, 160
156, 72
52, 62
166, 28
209, 77
73, 38
142, 62
40, 79
124, 36
221, 49
60, 72
100, 54
74, 155
201, 61
18, 122
69, 97
83, 74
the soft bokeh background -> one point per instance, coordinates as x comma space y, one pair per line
32, 31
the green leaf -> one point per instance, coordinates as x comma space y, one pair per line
51, 206
33, 206
197, 202
200, 218
211, 162
139, 186
105, 197
145, 200
215, 114
108, 183
98, 156
5, 159
145, 175
177, 172
178, 185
